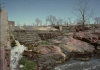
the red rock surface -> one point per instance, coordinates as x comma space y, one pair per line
47, 56
92, 37
73, 45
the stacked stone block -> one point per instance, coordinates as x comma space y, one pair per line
4, 41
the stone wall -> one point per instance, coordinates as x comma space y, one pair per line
31, 36
26, 36
7, 58
4, 30
68, 28
4, 41
11, 25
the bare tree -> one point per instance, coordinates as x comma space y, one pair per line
59, 21
38, 21
46, 23
66, 23
52, 20
69, 20
97, 20
79, 21
24, 25
82, 8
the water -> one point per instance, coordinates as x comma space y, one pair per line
16, 55
93, 64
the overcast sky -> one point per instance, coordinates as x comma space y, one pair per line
26, 11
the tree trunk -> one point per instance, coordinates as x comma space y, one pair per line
83, 20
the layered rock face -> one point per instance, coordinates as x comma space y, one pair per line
76, 46
46, 56
76, 49
73, 45
92, 37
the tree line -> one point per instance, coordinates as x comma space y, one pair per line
83, 16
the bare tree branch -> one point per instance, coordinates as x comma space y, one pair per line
84, 11
52, 20
38, 21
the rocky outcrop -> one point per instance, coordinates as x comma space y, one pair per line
72, 45
83, 56
46, 56
76, 49
91, 37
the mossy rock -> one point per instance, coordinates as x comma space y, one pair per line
28, 64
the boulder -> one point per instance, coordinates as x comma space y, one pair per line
91, 37
48, 56
73, 45
76, 49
